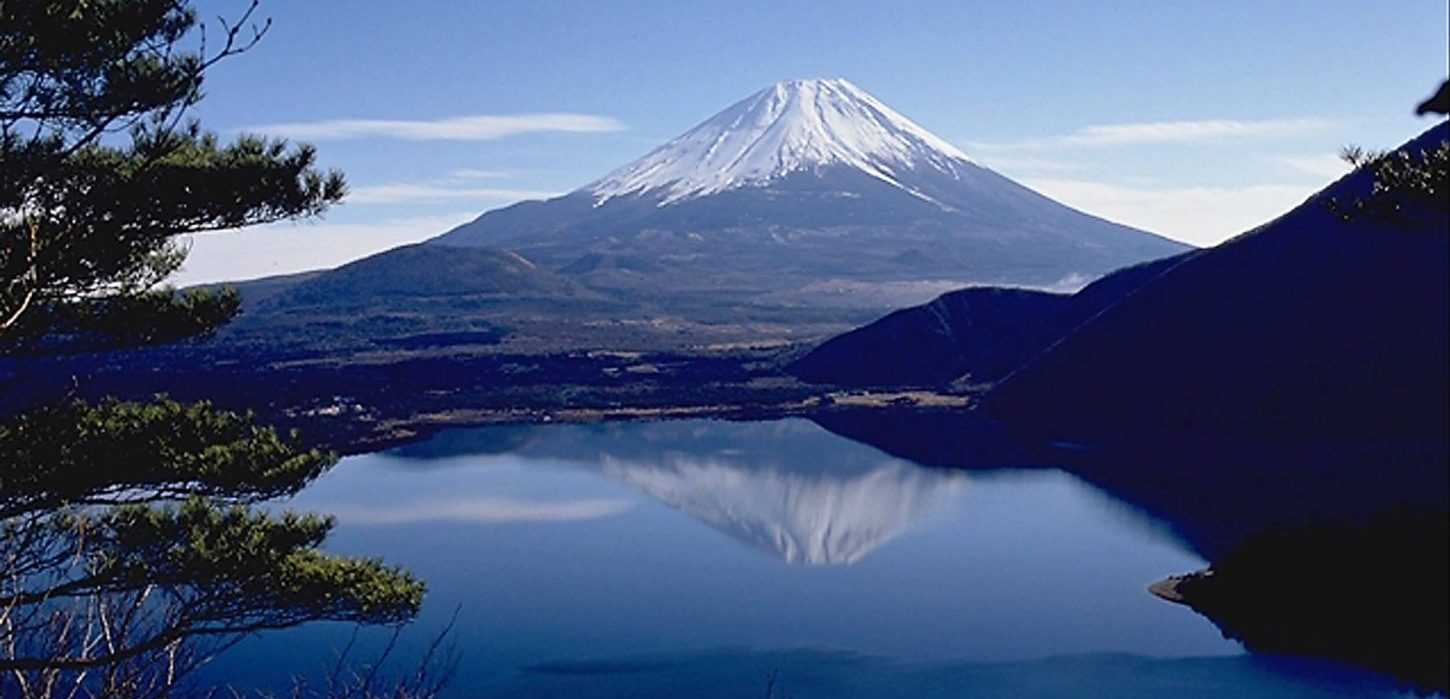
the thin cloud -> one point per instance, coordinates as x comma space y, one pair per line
482, 511
482, 127
1200, 216
1010, 163
475, 174
410, 192
1070, 283
1162, 132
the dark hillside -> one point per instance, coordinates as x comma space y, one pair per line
961, 332
1307, 325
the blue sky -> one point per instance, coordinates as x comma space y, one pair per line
1195, 120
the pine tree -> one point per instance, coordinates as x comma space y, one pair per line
101, 170
131, 546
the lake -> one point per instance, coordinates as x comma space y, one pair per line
704, 558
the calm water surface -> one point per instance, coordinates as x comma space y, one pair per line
695, 558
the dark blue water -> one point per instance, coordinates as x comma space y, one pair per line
699, 558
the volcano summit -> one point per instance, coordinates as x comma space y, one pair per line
808, 184
792, 127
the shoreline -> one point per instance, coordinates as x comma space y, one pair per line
1171, 588
348, 430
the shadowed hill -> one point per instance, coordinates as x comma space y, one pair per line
414, 297
961, 332
977, 334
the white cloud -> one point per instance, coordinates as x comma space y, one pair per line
1200, 216
284, 248
481, 511
1322, 165
482, 127
1069, 283
1160, 132
405, 192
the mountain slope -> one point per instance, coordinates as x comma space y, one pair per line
804, 181
410, 297
431, 271
961, 332
1306, 325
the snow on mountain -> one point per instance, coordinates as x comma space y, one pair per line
792, 126
800, 512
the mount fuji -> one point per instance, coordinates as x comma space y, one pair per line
803, 187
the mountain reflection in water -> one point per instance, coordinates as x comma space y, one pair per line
785, 488
570, 552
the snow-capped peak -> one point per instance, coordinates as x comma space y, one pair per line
793, 126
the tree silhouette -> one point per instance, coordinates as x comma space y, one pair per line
132, 545
1438, 103
101, 170
1409, 189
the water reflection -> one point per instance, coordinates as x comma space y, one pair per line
813, 514
1214, 491
726, 674
570, 552
785, 488
478, 510
1331, 548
